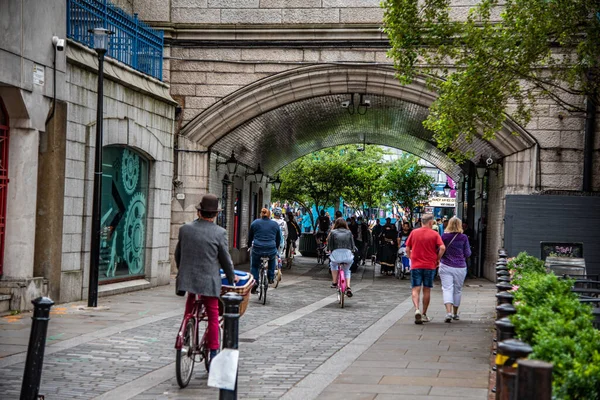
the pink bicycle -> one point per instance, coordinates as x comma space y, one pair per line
341, 284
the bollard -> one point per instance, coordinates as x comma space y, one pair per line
505, 310
502, 253
231, 324
505, 298
503, 287
502, 268
534, 380
35, 351
502, 261
504, 279
502, 272
504, 330
509, 351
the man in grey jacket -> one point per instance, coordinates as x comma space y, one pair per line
202, 248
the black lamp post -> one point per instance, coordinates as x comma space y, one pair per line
100, 45
447, 189
276, 182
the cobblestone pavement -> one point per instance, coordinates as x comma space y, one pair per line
127, 351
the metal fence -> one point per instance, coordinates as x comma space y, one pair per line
133, 42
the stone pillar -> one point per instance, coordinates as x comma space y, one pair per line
21, 206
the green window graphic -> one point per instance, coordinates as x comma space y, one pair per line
124, 196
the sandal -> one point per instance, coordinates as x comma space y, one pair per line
349, 292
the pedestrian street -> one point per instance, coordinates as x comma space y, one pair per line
300, 345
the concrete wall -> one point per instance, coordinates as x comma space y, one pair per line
26, 45
138, 113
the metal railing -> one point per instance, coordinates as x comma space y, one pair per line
133, 42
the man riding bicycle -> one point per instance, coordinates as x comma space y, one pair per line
264, 238
323, 226
202, 248
293, 234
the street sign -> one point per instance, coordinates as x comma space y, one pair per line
442, 202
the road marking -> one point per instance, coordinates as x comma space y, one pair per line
314, 383
139, 385
88, 337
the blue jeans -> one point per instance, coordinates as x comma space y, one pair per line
255, 264
423, 277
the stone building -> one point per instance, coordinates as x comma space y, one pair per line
266, 80
48, 98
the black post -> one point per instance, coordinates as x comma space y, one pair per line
588, 141
35, 351
505, 298
97, 196
509, 351
503, 287
231, 318
534, 380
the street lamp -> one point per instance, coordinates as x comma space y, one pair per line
258, 174
101, 46
276, 182
447, 189
231, 163
481, 168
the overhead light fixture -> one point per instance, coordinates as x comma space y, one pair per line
232, 164
361, 109
484, 165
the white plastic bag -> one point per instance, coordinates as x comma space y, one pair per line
223, 369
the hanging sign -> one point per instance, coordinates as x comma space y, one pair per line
442, 202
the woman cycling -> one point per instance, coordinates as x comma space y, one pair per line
342, 248
293, 234
264, 238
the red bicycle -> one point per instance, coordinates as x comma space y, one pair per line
192, 348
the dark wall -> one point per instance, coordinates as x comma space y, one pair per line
531, 219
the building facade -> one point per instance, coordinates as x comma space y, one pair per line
48, 99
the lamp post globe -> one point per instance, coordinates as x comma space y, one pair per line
447, 189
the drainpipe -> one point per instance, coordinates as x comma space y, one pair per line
588, 147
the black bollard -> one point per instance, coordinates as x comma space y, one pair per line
502, 268
231, 318
502, 253
503, 287
534, 380
502, 261
504, 279
505, 310
509, 351
502, 272
505, 298
504, 330
35, 351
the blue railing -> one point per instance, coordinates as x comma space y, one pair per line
133, 42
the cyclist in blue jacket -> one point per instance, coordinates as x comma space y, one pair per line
264, 239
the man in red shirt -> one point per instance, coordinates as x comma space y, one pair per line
425, 248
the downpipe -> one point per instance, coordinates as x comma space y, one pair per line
588, 147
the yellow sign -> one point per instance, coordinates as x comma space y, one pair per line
442, 202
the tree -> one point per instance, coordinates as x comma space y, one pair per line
365, 186
503, 57
316, 179
406, 183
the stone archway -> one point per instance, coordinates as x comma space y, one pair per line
275, 120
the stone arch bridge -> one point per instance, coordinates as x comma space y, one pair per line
266, 79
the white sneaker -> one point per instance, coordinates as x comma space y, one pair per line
418, 317
448, 318
425, 318
456, 317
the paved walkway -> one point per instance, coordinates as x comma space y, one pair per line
301, 345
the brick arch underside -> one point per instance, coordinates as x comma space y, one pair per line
278, 119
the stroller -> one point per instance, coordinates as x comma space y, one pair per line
402, 263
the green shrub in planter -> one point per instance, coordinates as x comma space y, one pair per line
552, 320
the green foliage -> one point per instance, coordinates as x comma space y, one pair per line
496, 56
524, 262
552, 320
316, 179
406, 184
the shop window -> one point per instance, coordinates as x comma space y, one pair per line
124, 214
222, 217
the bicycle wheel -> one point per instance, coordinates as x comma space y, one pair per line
265, 287
184, 360
341, 295
260, 285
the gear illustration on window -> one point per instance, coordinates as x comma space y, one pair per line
134, 235
130, 170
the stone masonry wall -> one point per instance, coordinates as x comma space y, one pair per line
133, 117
